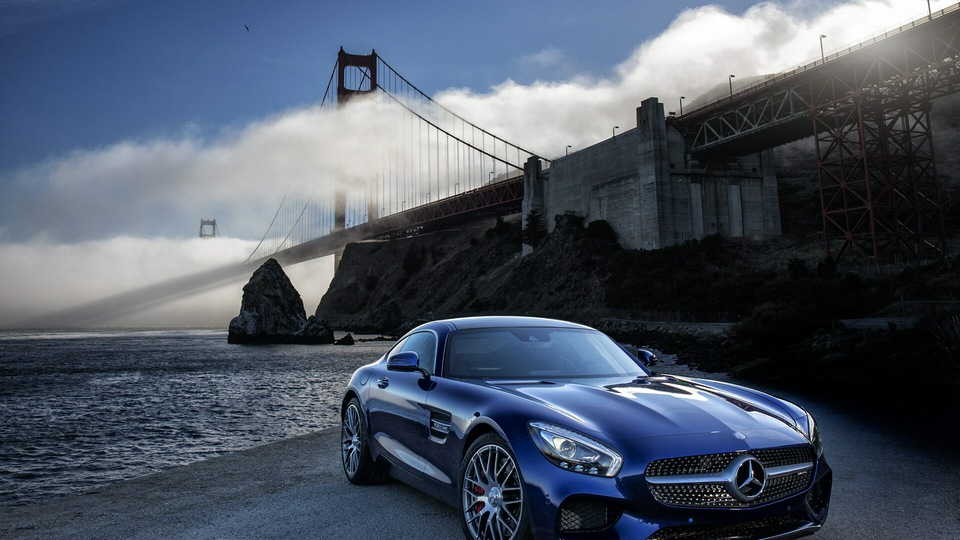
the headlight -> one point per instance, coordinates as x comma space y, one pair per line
574, 451
813, 435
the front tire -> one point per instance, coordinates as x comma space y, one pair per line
492, 500
358, 465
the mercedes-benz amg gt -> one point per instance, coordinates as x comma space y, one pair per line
544, 428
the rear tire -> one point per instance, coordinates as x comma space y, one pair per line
492, 498
358, 465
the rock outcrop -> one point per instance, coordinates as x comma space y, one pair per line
272, 312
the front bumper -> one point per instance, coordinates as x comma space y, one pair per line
571, 506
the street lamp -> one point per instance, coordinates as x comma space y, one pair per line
615, 128
730, 80
490, 177
822, 57
681, 104
568, 150
929, 11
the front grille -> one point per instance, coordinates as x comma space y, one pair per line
716, 495
587, 515
747, 530
711, 463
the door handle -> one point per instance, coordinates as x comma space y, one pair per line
383, 382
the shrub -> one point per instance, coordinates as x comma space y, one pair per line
413, 260
946, 332
797, 269
776, 324
601, 230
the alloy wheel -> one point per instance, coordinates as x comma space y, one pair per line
492, 497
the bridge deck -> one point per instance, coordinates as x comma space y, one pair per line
919, 60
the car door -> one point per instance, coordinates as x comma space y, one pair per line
398, 419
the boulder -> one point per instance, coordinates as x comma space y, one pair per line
316, 331
271, 310
345, 340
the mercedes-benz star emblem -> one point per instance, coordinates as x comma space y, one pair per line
749, 480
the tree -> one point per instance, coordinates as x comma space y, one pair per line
534, 228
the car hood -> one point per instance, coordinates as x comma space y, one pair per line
655, 406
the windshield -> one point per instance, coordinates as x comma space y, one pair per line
521, 353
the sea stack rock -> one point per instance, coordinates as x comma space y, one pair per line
271, 311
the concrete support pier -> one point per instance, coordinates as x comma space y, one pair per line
643, 182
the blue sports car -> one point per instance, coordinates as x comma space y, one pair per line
549, 429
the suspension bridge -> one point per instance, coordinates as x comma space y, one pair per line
426, 168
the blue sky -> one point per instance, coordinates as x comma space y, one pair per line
85, 74
124, 122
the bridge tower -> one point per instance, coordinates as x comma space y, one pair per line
356, 75
208, 228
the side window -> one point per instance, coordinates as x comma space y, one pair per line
425, 345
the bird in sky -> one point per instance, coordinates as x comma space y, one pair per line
247, 27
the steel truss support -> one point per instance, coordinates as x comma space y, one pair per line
870, 111
879, 192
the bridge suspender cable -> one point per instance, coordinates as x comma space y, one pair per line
269, 227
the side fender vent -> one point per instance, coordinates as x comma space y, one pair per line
439, 424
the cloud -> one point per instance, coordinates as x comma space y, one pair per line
164, 187
549, 57
692, 57
40, 278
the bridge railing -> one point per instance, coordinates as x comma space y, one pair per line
773, 79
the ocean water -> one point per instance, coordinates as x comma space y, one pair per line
82, 409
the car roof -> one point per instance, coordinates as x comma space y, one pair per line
468, 323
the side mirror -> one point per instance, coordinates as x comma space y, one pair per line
406, 361
647, 357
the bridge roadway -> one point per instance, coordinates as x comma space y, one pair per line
498, 198
918, 61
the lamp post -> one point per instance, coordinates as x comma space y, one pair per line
681, 104
822, 57
568, 150
730, 80
615, 128
929, 11
490, 178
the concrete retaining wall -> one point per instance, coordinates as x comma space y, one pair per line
653, 195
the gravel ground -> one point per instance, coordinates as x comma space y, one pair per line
886, 485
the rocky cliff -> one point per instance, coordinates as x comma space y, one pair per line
383, 286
